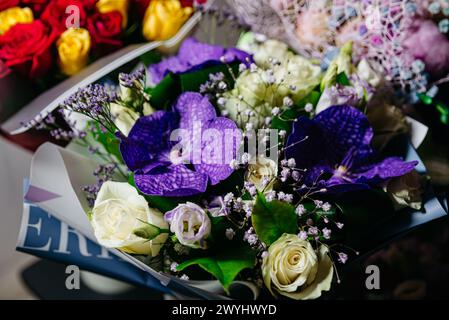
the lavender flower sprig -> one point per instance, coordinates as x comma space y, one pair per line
93, 101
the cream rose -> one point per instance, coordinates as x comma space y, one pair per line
293, 269
259, 91
119, 211
300, 77
407, 190
271, 49
262, 173
124, 118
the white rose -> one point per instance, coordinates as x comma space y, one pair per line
262, 173
299, 77
256, 94
191, 225
118, 211
124, 118
293, 269
259, 91
271, 49
406, 191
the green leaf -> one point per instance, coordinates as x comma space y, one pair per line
165, 92
150, 58
148, 231
224, 266
343, 79
272, 219
192, 81
109, 141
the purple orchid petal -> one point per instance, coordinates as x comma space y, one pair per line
193, 107
148, 137
345, 129
196, 55
334, 150
306, 144
158, 71
195, 52
344, 187
220, 143
233, 54
171, 181
384, 170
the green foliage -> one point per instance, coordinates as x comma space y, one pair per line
109, 142
166, 92
272, 219
224, 266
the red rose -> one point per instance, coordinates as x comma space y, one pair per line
189, 3
26, 48
104, 29
55, 14
5, 4
36, 5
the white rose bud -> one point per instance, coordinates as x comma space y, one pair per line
124, 118
118, 212
263, 170
191, 225
406, 191
293, 269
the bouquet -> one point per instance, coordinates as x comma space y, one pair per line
250, 164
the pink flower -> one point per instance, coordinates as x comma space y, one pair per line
427, 43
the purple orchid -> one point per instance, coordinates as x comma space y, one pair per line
194, 54
185, 166
334, 149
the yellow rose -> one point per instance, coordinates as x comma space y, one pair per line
164, 18
73, 50
105, 6
12, 16
294, 269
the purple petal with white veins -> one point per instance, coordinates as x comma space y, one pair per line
148, 137
345, 128
193, 107
158, 71
194, 52
196, 55
171, 181
384, 170
220, 143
